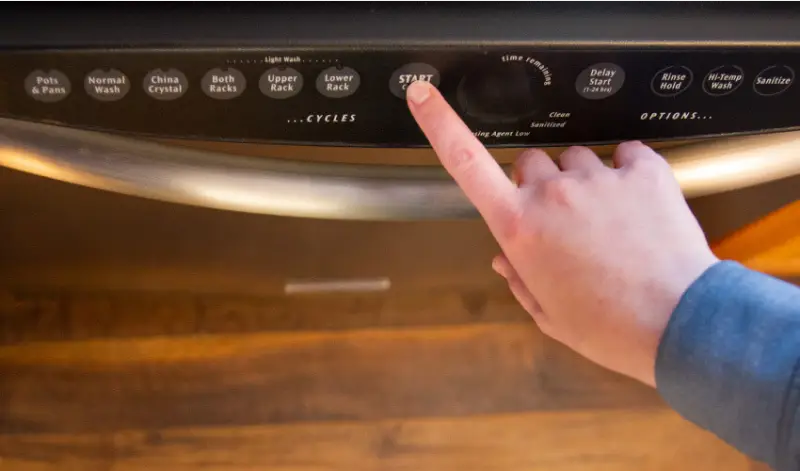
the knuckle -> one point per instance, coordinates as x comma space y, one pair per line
558, 191
630, 146
463, 159
580, 150
650, 169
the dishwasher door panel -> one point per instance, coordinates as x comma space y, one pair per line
58, 234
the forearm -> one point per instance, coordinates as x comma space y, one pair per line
728, 361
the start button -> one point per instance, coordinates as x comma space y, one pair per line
409, 73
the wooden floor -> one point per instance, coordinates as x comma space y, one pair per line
442, 381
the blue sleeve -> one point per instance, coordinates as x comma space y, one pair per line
728, 361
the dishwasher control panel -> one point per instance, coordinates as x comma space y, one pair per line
355, 97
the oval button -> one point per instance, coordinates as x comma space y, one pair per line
280, 82
48, 87
223, 84
106, 85
338, 82
165, 84
409, 73
671, 81
773, 80
723, 80
600, 81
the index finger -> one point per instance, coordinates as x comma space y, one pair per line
477, 173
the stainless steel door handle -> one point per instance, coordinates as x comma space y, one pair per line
303, 189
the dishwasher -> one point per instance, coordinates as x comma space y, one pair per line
268, 149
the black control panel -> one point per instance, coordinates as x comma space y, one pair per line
322, 96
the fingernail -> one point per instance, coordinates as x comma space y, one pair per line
498, 267
515, 176
417, 93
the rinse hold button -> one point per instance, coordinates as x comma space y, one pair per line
723, 80
773, 80
671, 81
165, 85
47, 86
338, 82
409, 73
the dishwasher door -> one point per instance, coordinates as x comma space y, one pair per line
118, 213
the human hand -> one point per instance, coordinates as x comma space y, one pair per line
598, 256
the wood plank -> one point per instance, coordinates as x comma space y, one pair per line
39, 316
770, 245
155, 382
570, 441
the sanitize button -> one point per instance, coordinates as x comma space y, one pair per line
773, 80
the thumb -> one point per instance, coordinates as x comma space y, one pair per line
503, 267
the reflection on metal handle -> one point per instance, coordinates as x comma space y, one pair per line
303, 189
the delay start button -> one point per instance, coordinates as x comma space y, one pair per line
723, 80
409, 73
223, 84
338, 82
773, 80
106, 85
165, 84
600, 81
47, 87
280, 82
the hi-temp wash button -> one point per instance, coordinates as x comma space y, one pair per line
48, 87
773, 80
106, 85
600, 81
165, 84
671, 81
404, 76
280, 82
723, 80
338, 82
223, 84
